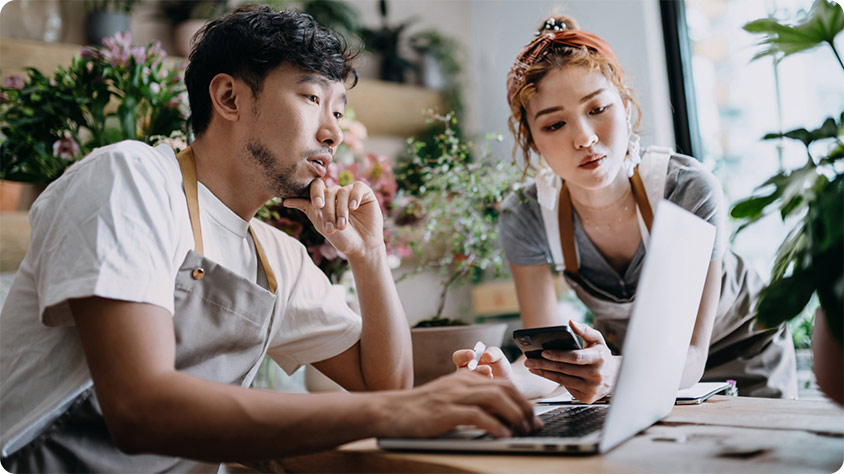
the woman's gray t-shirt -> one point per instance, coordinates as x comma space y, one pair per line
687, 184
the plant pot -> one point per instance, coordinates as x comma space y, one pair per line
104, 24
15, 196
433, 347
828, 359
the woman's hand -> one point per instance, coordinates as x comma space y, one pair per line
588, 373
492, 364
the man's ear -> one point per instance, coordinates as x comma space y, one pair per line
224, 91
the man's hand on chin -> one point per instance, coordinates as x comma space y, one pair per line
348, 216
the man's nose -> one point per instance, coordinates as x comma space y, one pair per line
330, 133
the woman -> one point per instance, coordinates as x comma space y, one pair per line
588, 215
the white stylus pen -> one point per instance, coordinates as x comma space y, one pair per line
479, 349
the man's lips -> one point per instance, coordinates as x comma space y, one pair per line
319, 164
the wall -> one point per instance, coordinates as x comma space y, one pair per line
492, 32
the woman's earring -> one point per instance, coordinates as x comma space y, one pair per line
632, 159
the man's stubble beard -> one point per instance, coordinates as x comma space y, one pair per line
279, 183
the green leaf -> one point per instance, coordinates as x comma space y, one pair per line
126, 114
821, 25
784, 299
801, 134
754, 206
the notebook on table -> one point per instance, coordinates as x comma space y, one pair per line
655, 347
694, 395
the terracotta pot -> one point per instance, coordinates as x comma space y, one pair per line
16, 196
433, 347
828, 359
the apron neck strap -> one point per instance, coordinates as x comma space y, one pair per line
566, 222
187, 163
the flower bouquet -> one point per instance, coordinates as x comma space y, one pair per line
107, 94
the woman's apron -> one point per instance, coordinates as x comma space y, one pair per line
222, 323
760, 360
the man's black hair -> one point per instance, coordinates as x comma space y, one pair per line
253, 40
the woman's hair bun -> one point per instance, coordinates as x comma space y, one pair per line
557, 23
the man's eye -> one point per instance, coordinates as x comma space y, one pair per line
554, 126
314, 99
338, 115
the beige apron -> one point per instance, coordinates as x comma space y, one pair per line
222, 323
761, 360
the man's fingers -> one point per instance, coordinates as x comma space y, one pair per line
341, 209
467, 415
590, 335
329, 211
296, 203
358, 194
317, 190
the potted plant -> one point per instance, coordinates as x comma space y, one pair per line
107, 17
457, 236
106, 95
811, 199
385, 41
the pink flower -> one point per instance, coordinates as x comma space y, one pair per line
154, 87
89, 53
66, 147
13, 82
4, 98
332, 178
139, 54
354, 133
118, 49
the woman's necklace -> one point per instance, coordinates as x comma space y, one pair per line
604, 222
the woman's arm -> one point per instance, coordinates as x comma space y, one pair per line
699, 346
538, 305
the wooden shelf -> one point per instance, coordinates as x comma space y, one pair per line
388, 108
385, 108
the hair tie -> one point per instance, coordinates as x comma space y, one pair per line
534, 51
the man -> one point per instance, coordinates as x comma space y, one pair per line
149, 294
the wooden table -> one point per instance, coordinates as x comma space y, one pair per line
725, 434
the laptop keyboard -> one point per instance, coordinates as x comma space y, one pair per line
568, 422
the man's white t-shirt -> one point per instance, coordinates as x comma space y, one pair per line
116, 225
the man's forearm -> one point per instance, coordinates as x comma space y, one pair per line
385, 351
238, 423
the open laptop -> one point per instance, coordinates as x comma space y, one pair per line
655, 347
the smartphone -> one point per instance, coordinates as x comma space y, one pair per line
535, 340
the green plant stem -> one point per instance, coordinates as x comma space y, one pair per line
444, 290
837, 56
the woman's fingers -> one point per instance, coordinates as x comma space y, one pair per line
589, 334
462, 357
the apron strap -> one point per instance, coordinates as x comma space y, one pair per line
641, 198
187, 163
566, 224
268, 270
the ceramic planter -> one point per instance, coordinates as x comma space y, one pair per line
828, 359
433, 347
